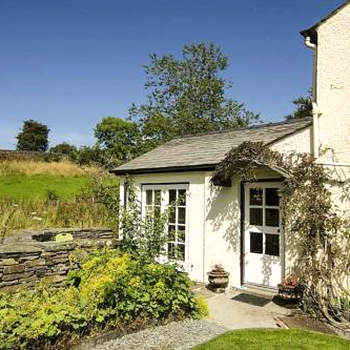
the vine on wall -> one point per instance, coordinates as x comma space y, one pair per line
317, 234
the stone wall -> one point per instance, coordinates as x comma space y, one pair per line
28, 256
30, 155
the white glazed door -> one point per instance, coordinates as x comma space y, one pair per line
174, 198
263, 238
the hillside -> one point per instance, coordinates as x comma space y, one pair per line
35, 179
39, 194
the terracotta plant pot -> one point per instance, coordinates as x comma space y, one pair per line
290, 292
218, 278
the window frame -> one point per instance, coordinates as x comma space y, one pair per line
164, 204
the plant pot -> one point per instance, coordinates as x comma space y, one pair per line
290, 292
218, 279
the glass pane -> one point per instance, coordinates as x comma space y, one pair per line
182, 197
149, 197
256, 216
272, 197
172, 218
272, 217
255, 196
171, 231
181, 234
157, 196
181, 252
256, 243
272, 245
148, 210
171, 251
157, 211
172, 196
181, 212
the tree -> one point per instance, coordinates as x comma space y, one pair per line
87, 155
187, 96
63, 148
33, 137
118, 138
303, 108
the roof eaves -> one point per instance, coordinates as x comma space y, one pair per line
312, 30
170, 169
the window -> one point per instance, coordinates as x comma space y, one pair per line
272, 217
177, 224
153, 202
272, 197
256, 242
272, 245
256, 216
264, 214
255, 196
159, 198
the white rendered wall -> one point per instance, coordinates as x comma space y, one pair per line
333, 86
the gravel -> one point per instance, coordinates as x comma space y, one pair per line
174, 336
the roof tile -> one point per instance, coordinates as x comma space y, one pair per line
208, 149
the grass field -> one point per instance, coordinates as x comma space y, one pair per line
36, 194
35, 179
292, 339
38, 186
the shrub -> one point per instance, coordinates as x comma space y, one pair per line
111, 290
203, 310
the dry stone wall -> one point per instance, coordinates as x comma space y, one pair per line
29, 256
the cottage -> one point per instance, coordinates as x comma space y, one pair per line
239, 226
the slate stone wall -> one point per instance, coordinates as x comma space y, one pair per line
29, 256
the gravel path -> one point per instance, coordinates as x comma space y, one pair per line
174, 336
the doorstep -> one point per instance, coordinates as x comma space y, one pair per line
266, 292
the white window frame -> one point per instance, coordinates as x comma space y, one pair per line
164, 188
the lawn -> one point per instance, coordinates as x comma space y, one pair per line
275, 339
37, 186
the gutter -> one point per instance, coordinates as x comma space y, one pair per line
170, 169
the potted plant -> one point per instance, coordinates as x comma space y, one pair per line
290, 289
218, 279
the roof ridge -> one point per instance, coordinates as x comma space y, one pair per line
255, 126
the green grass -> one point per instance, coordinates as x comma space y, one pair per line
37, 186
275, 340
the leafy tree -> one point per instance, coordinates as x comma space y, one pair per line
118, 138
88, 155
187, 96
33, 137
303, 108
63, 148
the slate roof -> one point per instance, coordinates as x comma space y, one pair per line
204, 151
311, 31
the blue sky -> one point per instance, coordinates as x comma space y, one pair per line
69, 63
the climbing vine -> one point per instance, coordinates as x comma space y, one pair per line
317, 233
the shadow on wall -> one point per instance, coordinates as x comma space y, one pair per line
267, 262
224, 215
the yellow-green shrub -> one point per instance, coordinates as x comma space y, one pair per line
111, 290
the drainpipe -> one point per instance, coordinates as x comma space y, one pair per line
315, 109
315, 129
